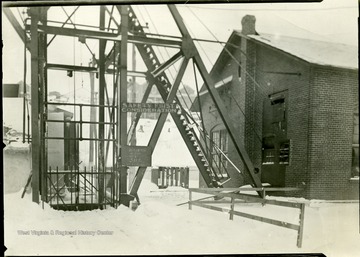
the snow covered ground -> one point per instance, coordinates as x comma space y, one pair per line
158, 226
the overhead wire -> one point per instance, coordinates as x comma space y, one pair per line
185, 90
227, 50
204, 133
63, 23
168, 54
237, 62
25, 102
22, 19
73, 23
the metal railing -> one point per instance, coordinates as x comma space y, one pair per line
170, 176
237, 198
72, 189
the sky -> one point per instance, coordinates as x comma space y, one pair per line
330, 20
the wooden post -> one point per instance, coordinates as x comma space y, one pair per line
232, 208
264, 193
162, 177
177, 176
301, 225
167, 176
190, 199
187, 177
172, 170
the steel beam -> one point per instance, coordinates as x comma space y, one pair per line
16, 25
122, 98
35, 120
138, 114
209, 83
167, 64
102, 85
68, 18
65, 67
102, 35
73, 32
43, 108
151, 63
159, 125
154, 41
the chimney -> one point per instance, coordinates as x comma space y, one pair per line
248, 25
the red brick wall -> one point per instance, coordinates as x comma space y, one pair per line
233, 96
320, 104
279, 72
334, 94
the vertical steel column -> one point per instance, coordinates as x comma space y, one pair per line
209, 83
92, 118
101, 156
35, 124
43, 108
159, 125
122, 97
133, 96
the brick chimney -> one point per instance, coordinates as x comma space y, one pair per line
248, 25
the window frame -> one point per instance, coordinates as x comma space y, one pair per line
218, 161
355, 145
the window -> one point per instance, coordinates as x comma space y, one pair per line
239, 70
268, 156
269, 152
218, 161
355, 148
275, 152
278, 112
284, 154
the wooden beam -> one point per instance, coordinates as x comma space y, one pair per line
240, 189
266, 220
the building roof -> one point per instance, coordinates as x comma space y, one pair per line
314, 52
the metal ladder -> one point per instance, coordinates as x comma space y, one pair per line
181, 120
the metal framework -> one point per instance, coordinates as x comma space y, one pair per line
111, 184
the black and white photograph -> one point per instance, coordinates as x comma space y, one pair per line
180, 127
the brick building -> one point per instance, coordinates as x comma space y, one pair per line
294, 103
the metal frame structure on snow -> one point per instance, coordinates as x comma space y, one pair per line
37, 43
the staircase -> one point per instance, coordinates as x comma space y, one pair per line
180, 118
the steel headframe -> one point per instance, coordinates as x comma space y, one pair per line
188, 50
